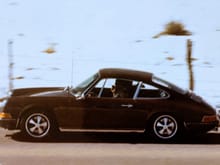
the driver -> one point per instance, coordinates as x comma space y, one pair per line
121, 89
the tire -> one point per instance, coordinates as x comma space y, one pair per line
37, 125
165, 127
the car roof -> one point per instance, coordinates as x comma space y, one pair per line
126, 74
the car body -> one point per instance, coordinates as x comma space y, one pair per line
151, 105
218, 112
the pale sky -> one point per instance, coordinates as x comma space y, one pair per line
96, 34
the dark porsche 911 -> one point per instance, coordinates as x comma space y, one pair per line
110, 100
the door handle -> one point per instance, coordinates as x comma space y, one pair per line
127, 105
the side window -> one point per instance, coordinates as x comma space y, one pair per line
124, 88
114, 88
106, 88
102, 88
148, 91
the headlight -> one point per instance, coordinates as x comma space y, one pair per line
3, 101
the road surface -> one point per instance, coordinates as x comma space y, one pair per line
108, 149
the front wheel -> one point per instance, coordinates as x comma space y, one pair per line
165, 127
37, 125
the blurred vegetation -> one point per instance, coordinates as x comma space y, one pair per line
174, 28
50, 50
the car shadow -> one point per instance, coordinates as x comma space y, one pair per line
212, 137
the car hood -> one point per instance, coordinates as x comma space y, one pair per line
57, 93
35, 91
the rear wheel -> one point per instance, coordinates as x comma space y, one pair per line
37, 125
165, 127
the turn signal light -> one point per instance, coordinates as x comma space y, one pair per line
5, 115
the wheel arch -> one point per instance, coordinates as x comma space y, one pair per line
35, 108
153, 115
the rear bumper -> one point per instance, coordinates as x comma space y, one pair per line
8, 123
200, 127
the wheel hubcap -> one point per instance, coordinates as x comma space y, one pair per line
165, 127
37, 125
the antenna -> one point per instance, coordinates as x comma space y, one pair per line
72, 73
10, 65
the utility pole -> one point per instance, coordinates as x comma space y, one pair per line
178, 29
189, 62
10, 65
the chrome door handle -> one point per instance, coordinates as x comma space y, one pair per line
127, 105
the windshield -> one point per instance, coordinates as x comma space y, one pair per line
168, 85
84, 85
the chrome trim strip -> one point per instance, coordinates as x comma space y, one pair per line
101, 130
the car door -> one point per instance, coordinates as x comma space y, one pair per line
103, 111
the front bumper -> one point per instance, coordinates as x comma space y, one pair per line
6, 121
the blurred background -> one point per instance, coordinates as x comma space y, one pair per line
60, 43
